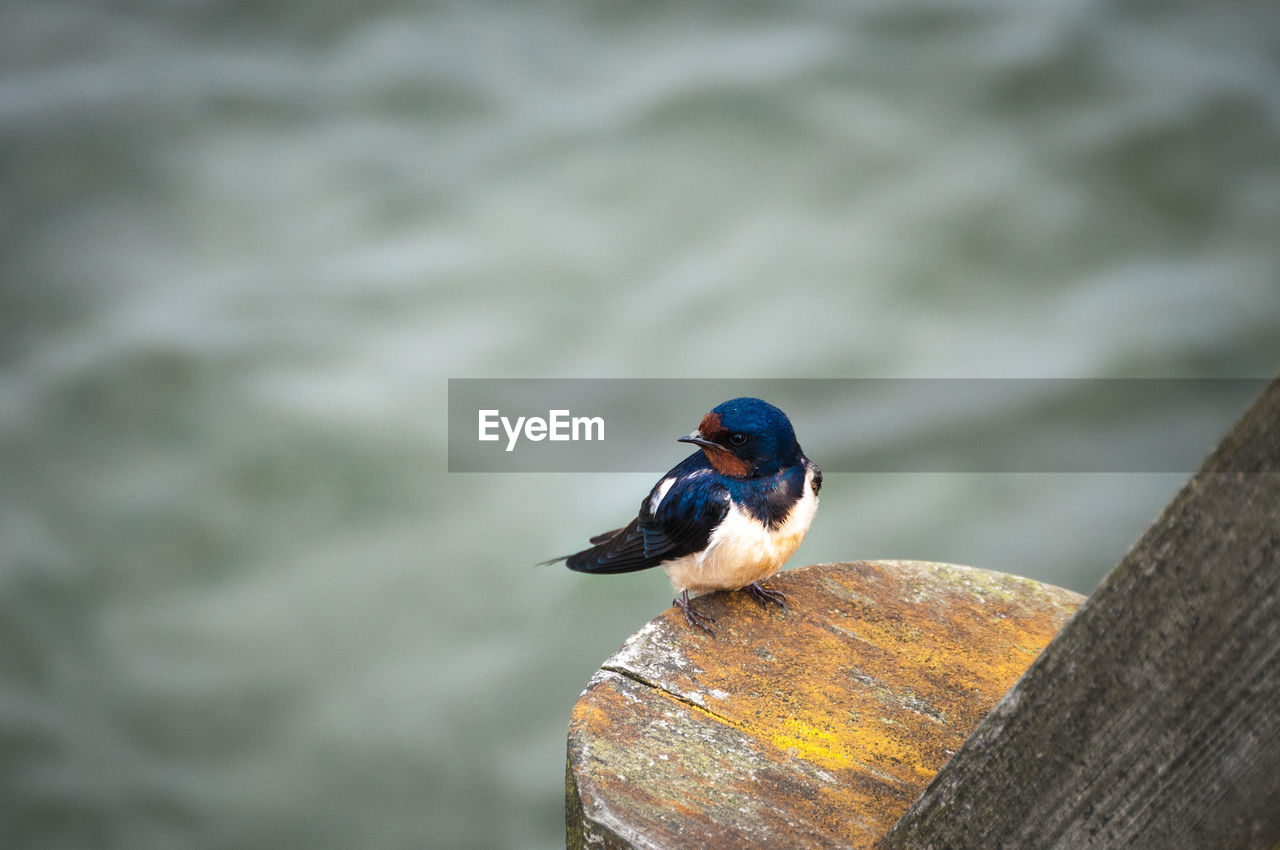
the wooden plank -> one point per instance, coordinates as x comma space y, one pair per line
1153, 720
815, 726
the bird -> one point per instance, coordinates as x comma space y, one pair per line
727, 517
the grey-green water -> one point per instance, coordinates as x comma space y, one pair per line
243, 247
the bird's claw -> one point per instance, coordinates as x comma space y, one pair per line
693, 618
764, 595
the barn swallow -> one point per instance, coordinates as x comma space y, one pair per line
726, 517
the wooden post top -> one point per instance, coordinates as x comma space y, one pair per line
813, 726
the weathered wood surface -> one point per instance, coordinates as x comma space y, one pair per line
1153, 721
814, 726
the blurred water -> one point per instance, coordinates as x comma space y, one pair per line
243, 247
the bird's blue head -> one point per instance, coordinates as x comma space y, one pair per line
745, 438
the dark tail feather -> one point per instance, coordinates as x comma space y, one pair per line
619, 555
590, 561
593, 561
605, 537
617, 551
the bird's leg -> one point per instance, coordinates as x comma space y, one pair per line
764, 595
692, 617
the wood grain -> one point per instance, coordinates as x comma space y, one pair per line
810, 727
1153, 721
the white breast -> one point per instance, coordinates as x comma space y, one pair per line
742, 550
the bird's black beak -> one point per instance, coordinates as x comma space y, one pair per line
697, 439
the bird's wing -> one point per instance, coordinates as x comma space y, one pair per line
681, 522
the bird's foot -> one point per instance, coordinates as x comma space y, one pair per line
701, 622
764, 595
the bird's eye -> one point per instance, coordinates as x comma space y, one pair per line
738, 439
